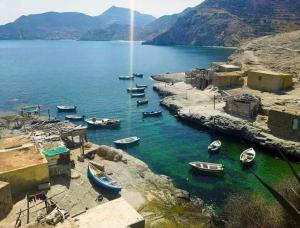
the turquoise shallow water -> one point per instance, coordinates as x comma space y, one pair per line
86, 74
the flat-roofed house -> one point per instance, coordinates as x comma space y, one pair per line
22, 165
268, 81
285, 123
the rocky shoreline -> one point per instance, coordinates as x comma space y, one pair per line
224, 123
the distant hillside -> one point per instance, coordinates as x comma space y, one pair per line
279, 52
54, 25
229, 22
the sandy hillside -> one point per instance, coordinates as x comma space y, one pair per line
277, 52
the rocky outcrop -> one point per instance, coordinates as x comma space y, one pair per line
278, 53
230, 22
232, 126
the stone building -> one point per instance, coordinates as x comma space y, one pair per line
22, 166
224, 67
6, 202
198, 78
244, 105
227, 80
268, 81
285, 123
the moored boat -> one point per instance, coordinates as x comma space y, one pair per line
152, 114
141, 86
142, 102
133, 95
103, 123
126, 77
74, 117
247, 156
136, 90
101, 180
66, 108
207, 167
215, 146
138, 75
127, 141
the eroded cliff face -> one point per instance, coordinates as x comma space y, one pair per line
277, 52
230, 22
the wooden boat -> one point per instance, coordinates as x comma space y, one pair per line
152, 114
138, 75
207, 167
127, 141
126, 78
136, 90
101, 180
141, 86
66, 108
134, 95
247, 156
142, 102
215, 146
74, 117
103, 123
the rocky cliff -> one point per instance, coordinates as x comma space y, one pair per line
276, 52
230, 22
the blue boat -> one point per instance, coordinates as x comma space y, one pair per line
101, 180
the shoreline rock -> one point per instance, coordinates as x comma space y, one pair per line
226, 124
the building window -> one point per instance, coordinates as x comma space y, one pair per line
296, 124
259, 78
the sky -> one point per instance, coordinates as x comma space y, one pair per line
12, 9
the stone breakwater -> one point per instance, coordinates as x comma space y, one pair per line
224, 123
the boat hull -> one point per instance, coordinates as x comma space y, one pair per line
137, 95
120, 144
126, 78
142, 102
98, 183
155, 114
79, 118
66, 109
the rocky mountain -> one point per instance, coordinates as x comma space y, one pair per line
158, 26
280, 52
52, 25
230, 22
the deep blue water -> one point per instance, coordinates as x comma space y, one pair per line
50, 73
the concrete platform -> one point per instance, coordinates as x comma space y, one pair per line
114, 214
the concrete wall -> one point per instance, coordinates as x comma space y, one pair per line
247, 110
6, 202
268, 82
283, 124
26, 179
227, 81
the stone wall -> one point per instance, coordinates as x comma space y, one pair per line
268, 81
6, 202
226, 80
26, 179
285, 124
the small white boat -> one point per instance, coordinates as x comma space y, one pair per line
215, 146
137, 75
207, 167
141, 86
152, 114
247, 156
74, 117
66, 108
126, 77
134, 95
103, 123
136, 90
127, 141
